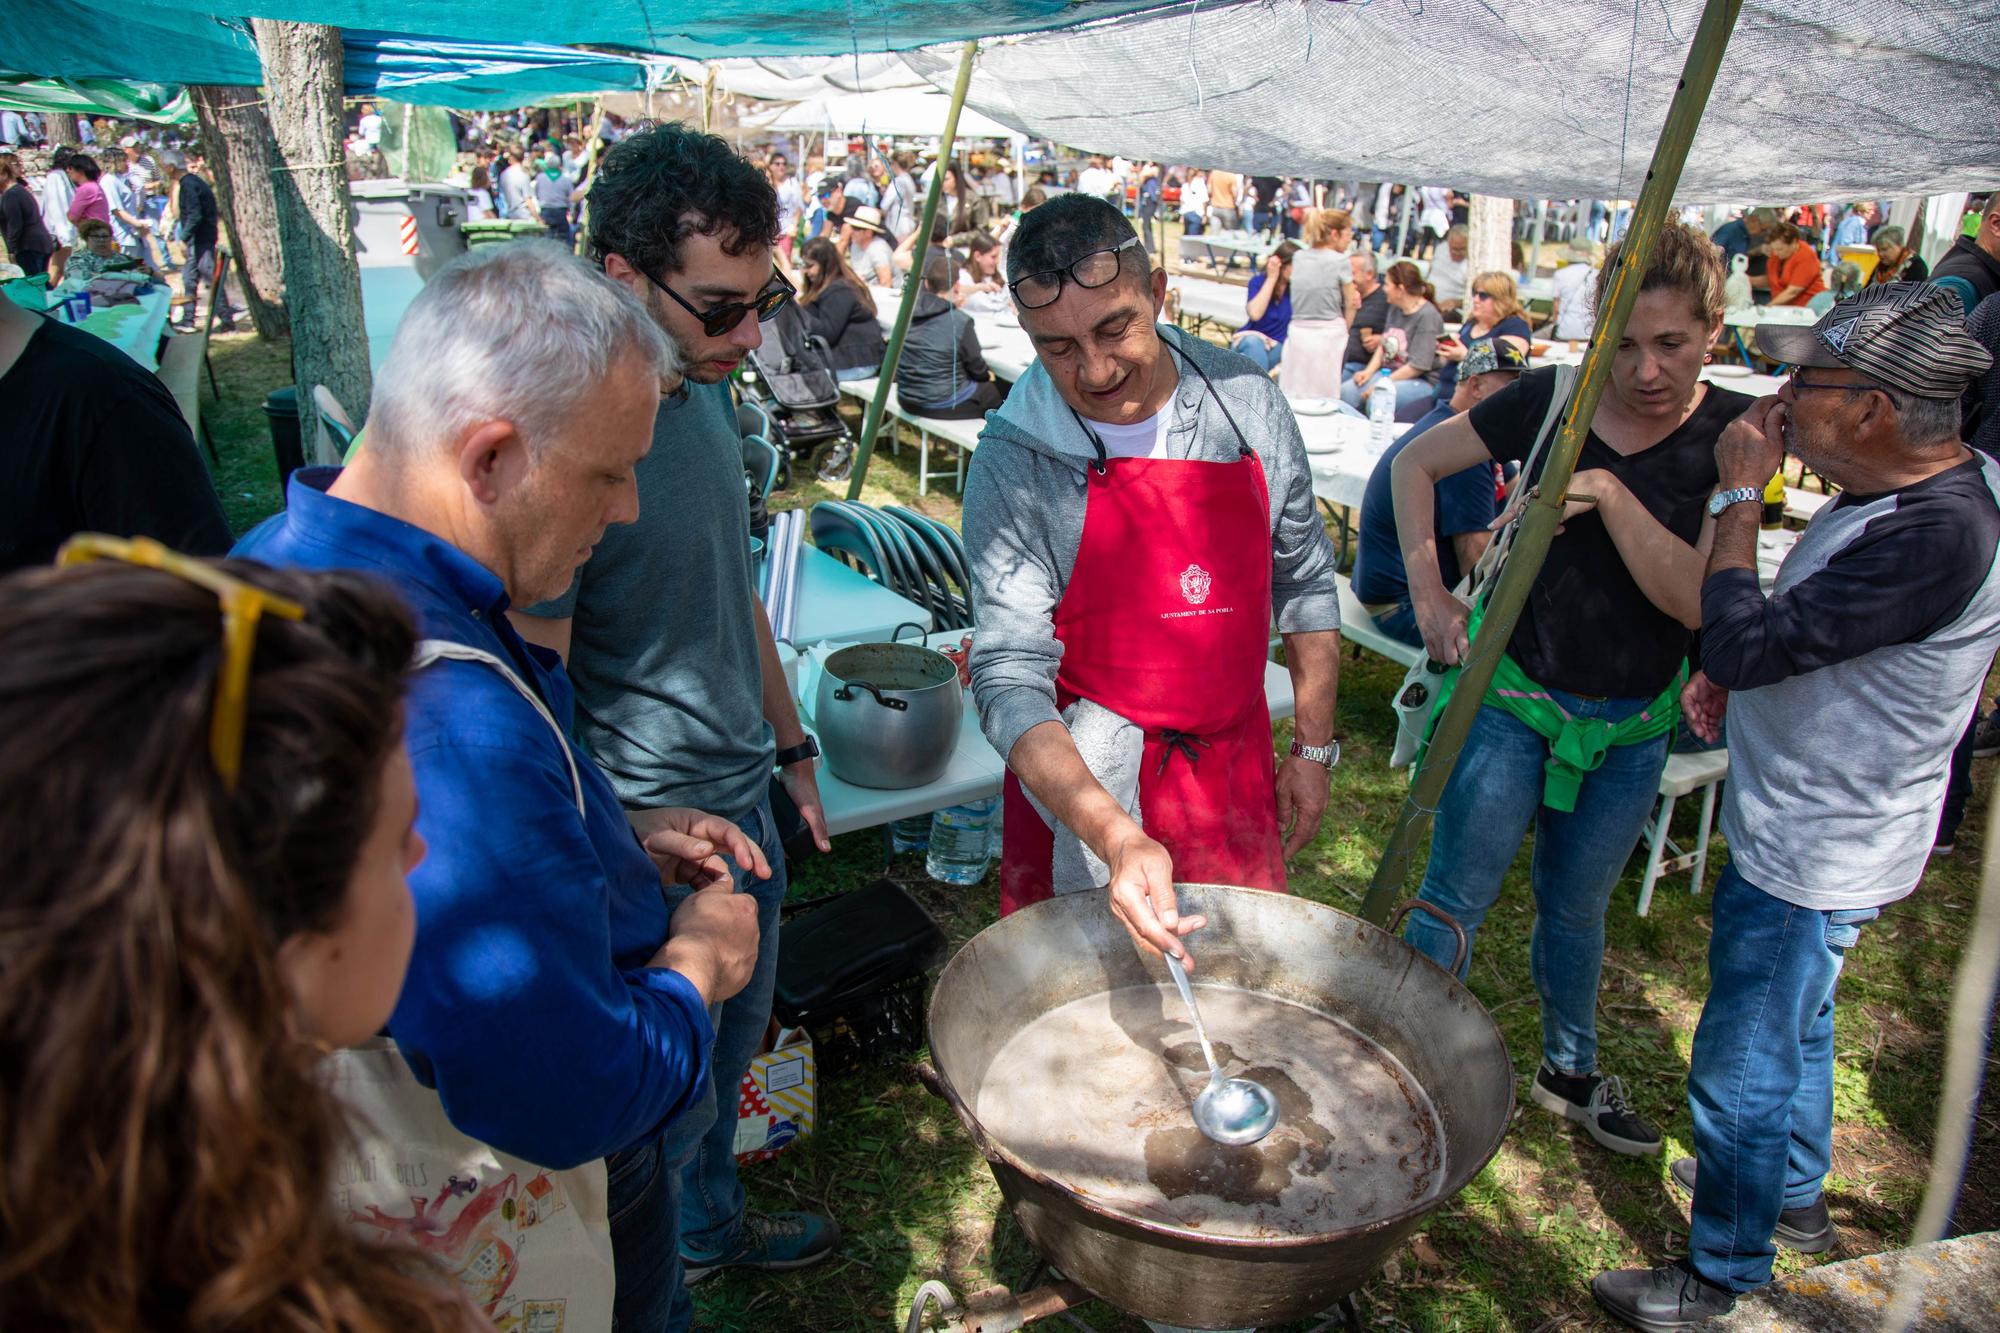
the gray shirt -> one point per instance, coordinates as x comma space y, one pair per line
1423, 328
663, 652
1317, 279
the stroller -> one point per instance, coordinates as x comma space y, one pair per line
790, 378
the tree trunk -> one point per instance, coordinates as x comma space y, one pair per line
236, 139
1489, 236
302, 74
60, 127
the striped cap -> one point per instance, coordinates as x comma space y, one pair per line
1905, 335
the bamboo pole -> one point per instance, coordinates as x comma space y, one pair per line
871, 421
1538, 527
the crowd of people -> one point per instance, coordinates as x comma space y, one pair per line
475, 744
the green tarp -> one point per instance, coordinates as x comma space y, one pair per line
164, 104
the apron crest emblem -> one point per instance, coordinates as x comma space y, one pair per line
1195, 583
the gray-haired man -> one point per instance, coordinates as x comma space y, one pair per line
1880, 630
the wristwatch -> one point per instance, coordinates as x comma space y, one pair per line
805, 749
1721, 500
1324, 755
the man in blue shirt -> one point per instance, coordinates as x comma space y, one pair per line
681, 697
556, 1001
1853, 229
1744, 235
1466, 506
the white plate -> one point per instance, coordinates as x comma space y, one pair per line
1723, 371
1314, 407
1323, 447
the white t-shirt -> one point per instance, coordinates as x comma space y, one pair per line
1576, 301
1141, 439
791, 203
1194, 198
1096, 180
983, 303
371, 129
870, 257
1447, 275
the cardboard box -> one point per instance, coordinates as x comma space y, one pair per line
776, 1102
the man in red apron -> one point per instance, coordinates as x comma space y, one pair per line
1136, 514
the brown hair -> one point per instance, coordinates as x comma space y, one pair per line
1411, 279
1683, 259
1506, 297
90, 227
1322, 223
833, 267
166, 1149
1783, 231
10, 165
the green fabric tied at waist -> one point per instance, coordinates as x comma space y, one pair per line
1577, 745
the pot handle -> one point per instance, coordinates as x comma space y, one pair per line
1432, 909
848, 687
907, 624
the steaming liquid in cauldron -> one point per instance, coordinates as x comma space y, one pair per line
1095, 1094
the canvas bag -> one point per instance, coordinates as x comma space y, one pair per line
1415, 700
532, 1247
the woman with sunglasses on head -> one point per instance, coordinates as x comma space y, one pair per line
201, 891
838, 307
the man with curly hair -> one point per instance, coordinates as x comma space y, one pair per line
680, 695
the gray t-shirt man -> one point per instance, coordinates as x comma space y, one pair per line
663, 653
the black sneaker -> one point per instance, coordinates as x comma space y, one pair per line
1660, 1300
1807, 1230
1986, 736
1598, 1104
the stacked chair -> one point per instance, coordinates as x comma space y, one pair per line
913, 556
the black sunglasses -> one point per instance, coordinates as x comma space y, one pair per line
720, 320
1798, 383
1093, 270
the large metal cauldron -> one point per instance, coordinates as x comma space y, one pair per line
1285, 947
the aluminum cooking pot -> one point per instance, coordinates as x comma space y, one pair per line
888, 713
1288, 948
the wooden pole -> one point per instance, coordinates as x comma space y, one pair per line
871, 421
1538, 527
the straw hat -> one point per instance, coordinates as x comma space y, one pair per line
867, 219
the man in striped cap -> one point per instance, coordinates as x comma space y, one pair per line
1845, 689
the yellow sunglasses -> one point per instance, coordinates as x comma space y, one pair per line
243, 605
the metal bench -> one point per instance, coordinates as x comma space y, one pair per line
963, 434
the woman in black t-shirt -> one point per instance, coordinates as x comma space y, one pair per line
1596, 657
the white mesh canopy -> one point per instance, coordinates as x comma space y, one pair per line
1816, 99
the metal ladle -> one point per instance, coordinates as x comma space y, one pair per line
1232, 1111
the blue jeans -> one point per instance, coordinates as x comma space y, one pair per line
1760, 1083
1494, 796
679, 1189
1259, 349
1191, 224
853, 373
1408, 393
1401, 625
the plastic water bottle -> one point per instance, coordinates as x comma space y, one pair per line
959, 850
910, 835
1382, 411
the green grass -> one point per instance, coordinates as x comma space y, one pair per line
1516, 1250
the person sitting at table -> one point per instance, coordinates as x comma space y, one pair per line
192, 921
1408, 349
1794, 276
1269, 306
981, 289
1896, 260
1323, 299
1572, 736
1497, 314
95, 444
839, 308
869, 252
28, 241
1371, 314
98, 253
1463, 512
942, 372
1448, 271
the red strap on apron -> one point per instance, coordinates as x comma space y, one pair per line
1166, 621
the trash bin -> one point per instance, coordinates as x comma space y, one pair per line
281, 408
498, 231
439, 211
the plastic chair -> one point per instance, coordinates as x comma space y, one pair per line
906, 578
946, 608
762, 461
1820, 303
839, 533
334, 433
945, 566
754, 419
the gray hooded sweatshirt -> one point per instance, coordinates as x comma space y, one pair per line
1025, 496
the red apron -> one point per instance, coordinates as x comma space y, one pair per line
1166, 621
